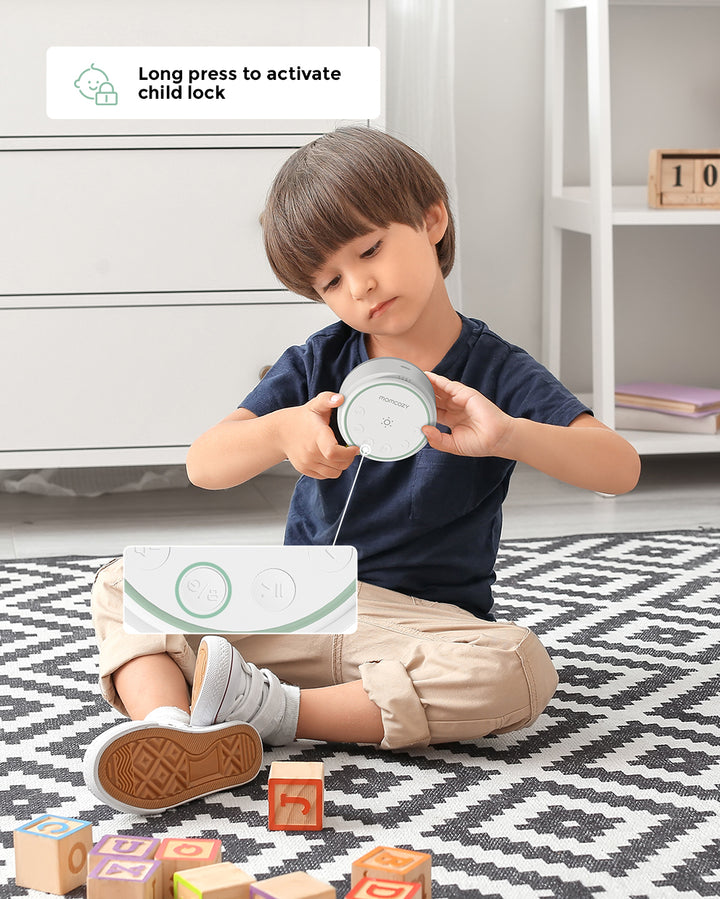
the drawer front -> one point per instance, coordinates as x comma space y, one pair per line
28, 29
110, 221
133, 376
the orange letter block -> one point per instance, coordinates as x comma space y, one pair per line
51, 853
372, 888
178, 855
389, 863
124, 878
223, 881
297, 885
295, 796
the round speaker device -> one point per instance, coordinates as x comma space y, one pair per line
387, 402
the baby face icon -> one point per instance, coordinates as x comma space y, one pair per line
90, 80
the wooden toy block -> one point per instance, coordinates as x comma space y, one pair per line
51, 853
372, 888
223, 881
122, 846
677, 176
125, 878
295, 796
684, 178
390, 863
177, 854
707, 179
297, 885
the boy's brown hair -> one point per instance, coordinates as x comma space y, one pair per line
341, 186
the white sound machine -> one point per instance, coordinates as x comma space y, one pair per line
387, 402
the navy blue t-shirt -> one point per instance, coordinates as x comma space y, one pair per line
428, 526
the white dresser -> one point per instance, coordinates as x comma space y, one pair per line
136, 304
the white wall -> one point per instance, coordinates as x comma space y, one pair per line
665, 93
499, 119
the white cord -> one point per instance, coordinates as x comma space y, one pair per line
364, 450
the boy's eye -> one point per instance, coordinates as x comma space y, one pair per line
368, 254
372, 251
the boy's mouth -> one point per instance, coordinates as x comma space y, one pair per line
380, 308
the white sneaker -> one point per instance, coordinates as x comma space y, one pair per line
146, 767
227, 688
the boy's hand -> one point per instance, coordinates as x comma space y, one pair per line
478, 427
309, 442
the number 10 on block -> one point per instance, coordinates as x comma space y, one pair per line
684, 178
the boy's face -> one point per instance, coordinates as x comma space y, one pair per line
388, 281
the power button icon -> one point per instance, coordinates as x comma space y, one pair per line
203, 590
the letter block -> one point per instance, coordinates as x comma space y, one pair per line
297, 885
390, 863
177, 854
373, 888
223, 881
125, 878
295, 796
51, 853
122, 846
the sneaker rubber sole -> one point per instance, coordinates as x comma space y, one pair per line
148, 768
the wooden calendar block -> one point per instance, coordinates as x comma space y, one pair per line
125, 878
297, 885
122, 846
176, 854
295, 796
51, 853
684, 178
677, 175
390, 863
223, 881
373, 888
707, 179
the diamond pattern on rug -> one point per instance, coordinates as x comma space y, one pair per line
614, 791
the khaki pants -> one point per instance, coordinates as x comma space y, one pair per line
437, 673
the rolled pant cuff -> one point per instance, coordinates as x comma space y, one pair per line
121, 647
390, 687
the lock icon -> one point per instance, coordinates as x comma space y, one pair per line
105, 95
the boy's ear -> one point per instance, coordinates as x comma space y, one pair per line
436, 221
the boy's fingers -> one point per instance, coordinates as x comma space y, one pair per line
450, 394
437, 379
340, 455
445, 389
333, 463
325, 401
439, 441
333, 452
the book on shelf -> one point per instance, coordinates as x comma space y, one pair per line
629, 419
677, 398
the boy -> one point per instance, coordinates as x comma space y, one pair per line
359, 221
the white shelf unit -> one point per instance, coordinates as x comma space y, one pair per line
597, 210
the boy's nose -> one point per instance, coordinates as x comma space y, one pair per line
360, 286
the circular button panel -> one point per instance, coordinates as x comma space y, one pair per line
387, 419
203, 590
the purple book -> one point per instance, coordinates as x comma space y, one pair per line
676, 398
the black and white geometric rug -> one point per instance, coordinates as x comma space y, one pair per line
614, 792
